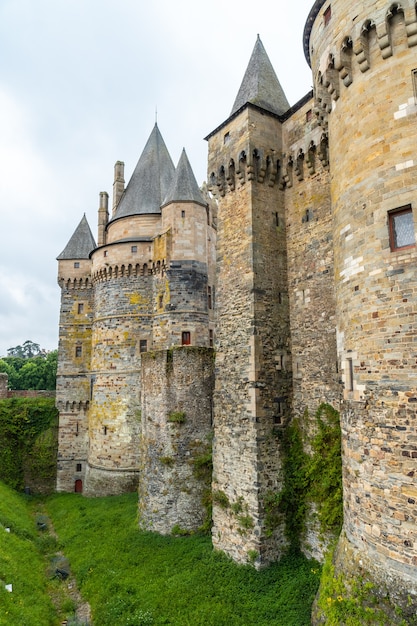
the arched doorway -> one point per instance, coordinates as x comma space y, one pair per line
78, 487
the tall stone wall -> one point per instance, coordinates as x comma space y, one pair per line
253, 364
309, 228
176, 428
362, 64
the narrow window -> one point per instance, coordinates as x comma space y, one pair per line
182, 213
134, 249
105, 253
414, 79
76, 264
105, 430
280, 298
78, 351
349, 374
276, 218
309, 115
80, 307
327, 15
211, 338
160, 301
79, 467
401, 228
186, 338
209, 299
226, 138
143, 345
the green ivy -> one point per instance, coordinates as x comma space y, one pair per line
28, 428
309, 478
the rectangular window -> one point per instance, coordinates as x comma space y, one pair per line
76, 264
226, 138
79, 467
182, 213
327, 15
186, 338
211, 338
105, 253
134, 249
401, 228
309, 115
143, 345
78, 351
160, 301
209, 300
414, 79
80, 307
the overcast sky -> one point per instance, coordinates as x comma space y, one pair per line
80, 81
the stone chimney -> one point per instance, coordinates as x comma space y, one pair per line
119, 183
103, 217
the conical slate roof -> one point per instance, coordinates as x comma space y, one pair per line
184, 187
81, 243
150, 181
260, 84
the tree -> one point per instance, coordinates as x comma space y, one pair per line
37, 372
27, 351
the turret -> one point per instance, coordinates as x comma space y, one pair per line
74, 357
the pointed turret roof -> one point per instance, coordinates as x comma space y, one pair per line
81, 243
260, 84
184, 187
150, 180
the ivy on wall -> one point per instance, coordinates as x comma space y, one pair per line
314, 477
28, 432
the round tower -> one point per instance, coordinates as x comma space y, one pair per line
364, 64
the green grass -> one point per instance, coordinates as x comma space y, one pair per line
22, 566
137, 578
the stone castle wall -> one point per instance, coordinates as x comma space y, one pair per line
176, 428
371, 127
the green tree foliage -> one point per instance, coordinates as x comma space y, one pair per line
27, 351
31, 372
27, 440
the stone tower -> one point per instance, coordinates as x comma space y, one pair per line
363, 59
73, 375
253, 365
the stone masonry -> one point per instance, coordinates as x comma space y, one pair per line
297, 264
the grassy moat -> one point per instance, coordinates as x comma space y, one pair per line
129, 577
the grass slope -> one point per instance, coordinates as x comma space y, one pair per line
135, 578
22, 566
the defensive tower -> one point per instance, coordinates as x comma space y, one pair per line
363, 59
253, 365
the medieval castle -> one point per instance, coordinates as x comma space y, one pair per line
290, 280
